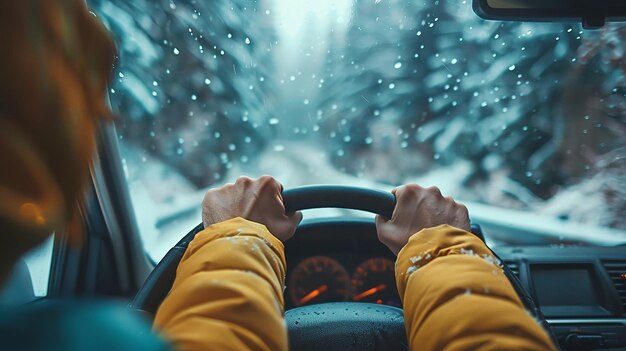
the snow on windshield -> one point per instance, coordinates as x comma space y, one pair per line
517, 117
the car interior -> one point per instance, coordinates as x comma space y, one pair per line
340, 286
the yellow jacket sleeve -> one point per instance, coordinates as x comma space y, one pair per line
228, 291
456, 296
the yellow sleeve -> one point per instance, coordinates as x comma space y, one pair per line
228, 292
456, 296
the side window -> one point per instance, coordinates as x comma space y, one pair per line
29, 279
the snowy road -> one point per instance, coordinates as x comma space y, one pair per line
167, 207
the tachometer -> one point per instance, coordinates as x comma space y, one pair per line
318, 279
374, 281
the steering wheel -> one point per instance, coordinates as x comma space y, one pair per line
330, 326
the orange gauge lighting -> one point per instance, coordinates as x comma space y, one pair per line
318, 279
374, 281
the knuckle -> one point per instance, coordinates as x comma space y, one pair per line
410, 190
266, 179
434, 191
243, 180
463, 209
212, 191
269, 181
412, 187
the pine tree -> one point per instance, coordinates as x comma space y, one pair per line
193, 80
427, 84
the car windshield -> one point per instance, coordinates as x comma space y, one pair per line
523, 122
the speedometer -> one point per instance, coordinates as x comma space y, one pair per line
374, 281
318, 279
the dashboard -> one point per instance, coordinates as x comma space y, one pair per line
580, 290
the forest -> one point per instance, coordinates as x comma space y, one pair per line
535, 113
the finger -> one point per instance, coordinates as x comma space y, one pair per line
463, 209
268, 188
279, 188
401, 201
226, 184
434, 191
408, 190
244, 180
380, 224
383, 234
293, 220
407, 195
380, 220
295, 217
280, 191
463, 215
397, 191
267, 179
273, 183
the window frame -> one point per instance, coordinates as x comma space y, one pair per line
110, 260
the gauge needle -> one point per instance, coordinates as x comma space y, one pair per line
369, 292
313, 294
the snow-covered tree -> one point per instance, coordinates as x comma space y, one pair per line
193, 80
426, 84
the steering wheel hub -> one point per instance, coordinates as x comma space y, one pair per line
341, 326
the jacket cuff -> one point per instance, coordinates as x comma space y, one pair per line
431, 243
236, 227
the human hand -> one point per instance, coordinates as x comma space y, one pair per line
418, 208
258, 200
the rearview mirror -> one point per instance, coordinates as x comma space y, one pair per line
592, 13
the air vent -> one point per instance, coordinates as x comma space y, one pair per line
617, 272
513, 266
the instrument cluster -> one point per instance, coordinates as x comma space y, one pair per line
319, 279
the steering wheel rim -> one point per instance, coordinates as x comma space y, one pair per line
302, 322
160, 280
